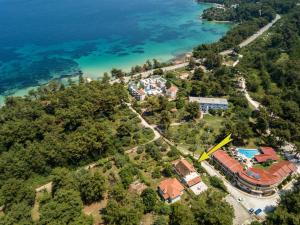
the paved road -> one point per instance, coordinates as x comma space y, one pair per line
254, 36
260, 32
150, 72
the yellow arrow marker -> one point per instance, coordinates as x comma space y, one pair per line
206, 155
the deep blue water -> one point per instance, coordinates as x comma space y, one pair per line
45, 39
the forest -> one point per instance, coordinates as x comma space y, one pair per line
271, 68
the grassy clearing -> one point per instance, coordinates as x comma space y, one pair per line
196, 136
95, 208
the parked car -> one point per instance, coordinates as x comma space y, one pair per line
251, 210
258, 211
240, 199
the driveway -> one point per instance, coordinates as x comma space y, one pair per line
197, 189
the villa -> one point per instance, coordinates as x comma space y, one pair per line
205, 104
254, 180
138, 93
170, 190
189, 176
153, 86
187, 172
172, 92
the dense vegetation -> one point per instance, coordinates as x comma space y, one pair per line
62, 127
271, 67
288, 211
248, 17
240, 11
69, 127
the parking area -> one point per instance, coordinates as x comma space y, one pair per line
197, 189
241, 214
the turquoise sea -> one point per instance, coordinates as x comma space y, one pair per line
41, 40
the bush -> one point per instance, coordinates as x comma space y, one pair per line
168, 170
127, 175
162, 209
217, 183
140, 150
156, 173
149, 197
173, 152
108, 165
120, 160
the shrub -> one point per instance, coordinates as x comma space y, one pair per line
217, 183
140, 150
156, 173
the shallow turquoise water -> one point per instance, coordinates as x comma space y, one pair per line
249, 153
42, 40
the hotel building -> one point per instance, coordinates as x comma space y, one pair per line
254, 180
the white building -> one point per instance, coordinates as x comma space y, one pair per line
205, 104
155, 85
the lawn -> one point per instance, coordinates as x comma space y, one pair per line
213, 122
200, 135
261, 166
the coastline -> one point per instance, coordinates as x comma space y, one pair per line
96, 72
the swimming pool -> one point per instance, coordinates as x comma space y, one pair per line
249, 153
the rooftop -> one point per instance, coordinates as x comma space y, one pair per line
259, 176
173, 89
282, 169
183, 167
171, 188
268, 150
194, 181
233, 165
202, 100
264, 157
268, 153
271, 176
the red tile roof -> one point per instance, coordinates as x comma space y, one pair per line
275, 174
268, 150
183, 167
171, 188
259, 176
141, 91
173, 89
265, 157
233, 165
282, 169
194, 181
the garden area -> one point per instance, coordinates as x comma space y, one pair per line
196, 137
